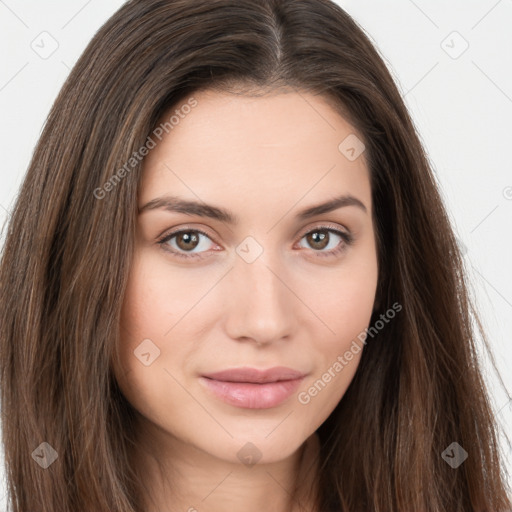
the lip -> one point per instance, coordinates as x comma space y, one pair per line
247, 374
250, 388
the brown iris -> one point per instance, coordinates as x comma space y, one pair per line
187, 237
318, 236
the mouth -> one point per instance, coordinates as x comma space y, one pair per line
250, 388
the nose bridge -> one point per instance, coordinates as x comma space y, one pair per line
261, 304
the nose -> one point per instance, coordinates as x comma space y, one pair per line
262, 306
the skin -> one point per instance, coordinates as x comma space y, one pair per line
264, 159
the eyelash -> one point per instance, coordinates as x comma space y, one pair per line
346, 237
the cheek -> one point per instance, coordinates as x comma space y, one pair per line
345, 308
347, 312
154, 312
153, 304
159, 295
143, 347
344, 301
143, 321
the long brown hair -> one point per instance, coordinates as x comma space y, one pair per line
68, 251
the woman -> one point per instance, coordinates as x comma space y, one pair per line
229, 281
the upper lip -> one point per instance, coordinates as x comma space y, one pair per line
247, 374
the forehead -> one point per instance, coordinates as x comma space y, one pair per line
278, 147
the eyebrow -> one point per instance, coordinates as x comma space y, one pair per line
176, 204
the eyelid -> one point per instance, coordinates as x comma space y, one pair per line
301, 233
323, 225
183, 228
167, 236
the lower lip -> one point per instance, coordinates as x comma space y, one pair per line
250, 395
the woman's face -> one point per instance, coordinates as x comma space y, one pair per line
273, 285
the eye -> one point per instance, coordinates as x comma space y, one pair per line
192, 243
186, 240
322, 237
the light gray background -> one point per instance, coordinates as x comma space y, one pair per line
460, 99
